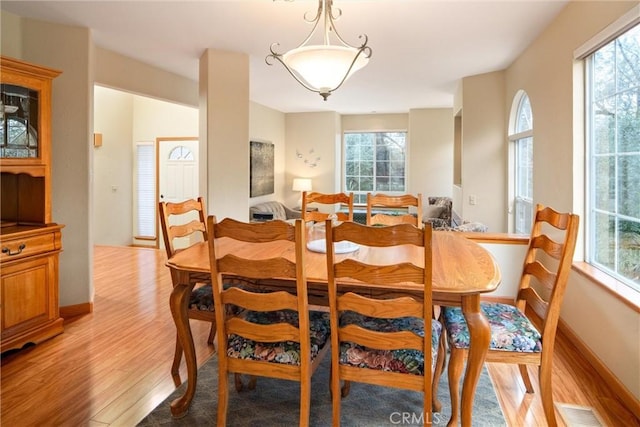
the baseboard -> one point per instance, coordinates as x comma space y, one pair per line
70, 311
625, 396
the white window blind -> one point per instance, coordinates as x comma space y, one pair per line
145, 189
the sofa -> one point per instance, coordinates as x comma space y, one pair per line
272, 210
438, 212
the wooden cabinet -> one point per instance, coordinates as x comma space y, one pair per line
30, 241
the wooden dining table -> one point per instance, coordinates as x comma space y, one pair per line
462, 271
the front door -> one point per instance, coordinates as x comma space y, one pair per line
178, 174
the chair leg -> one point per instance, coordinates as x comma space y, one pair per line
237, 381
212, 333
177, 357
436, 405
252, 382
456, 363
336, 393
546, 394
346, 388
305, 401
223, 397
524, 373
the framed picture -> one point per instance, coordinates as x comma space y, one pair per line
261, 179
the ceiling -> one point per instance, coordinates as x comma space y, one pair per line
421, 48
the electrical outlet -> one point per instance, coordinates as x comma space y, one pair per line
473, 200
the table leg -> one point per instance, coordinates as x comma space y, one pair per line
179, 303
480, 337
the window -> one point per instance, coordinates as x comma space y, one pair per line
374, 162
521, 136
181, 153
613, 138
146, 190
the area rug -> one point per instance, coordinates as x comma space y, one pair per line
276, 403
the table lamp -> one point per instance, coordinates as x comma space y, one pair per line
301, 185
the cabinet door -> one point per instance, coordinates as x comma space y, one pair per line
28, 294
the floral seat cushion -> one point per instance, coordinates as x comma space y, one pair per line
202, 298
286, 352
403, 360
510, 329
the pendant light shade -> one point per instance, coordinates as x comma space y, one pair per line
323, 68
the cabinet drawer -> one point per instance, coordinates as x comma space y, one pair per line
17, 248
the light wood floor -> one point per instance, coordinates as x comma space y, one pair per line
111, 367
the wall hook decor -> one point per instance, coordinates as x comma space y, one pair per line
310, 160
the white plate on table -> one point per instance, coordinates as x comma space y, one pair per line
342, 247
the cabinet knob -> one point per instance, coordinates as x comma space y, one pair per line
7, 251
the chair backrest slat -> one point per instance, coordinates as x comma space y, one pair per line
384, 275
389, 201
260, 301
391, 309
257, 268
381, 340
263, 333
326, 199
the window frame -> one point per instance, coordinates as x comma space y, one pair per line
374, 191
591, 180
516, 137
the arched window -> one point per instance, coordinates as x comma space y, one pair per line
181, 153
521, 139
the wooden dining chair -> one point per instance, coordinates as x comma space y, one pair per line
275, 335
182, 225
399, 202
326, 199
515, 338
390, 340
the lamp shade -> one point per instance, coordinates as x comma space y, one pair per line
324, 67
301, 184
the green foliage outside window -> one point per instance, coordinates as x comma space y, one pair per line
374, 162
614, 217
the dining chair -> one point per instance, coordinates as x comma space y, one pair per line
388, 340
398, 202
326, 199
182, 225
275, 335
515, 337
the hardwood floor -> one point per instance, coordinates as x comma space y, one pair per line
111, 367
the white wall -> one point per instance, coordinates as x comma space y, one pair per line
313, 136
510, 259
484, 151
224, 131
113, 167
431, 152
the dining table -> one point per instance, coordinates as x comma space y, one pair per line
462, 271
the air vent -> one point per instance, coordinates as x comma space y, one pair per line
579, 416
